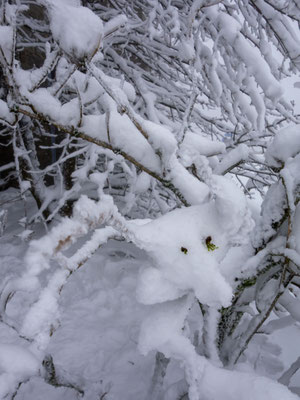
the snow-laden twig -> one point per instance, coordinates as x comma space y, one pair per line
289, 373
156, 389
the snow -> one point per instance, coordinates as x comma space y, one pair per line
290, 176
161, 139
231, 264
286, 144
296, 229
160, 285
194, 191
258, 102
77, 30
122, 134
195, 144
255, 261
124, 301
142, 182
67, 114
195, 270
232, 159
206, 379
17, 359
17, 363
232, 210
283, 28
290, 303
186, 49
6, 42
99, 237
292, 86
121, 87
257, 67
241, 386
114, 24
163, 326
43, 315
5, 114
38, 389
44, 102
272, 212
26, 235
101, 315
153, 287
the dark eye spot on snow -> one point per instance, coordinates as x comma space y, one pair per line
184, 250
209, 244
208, 240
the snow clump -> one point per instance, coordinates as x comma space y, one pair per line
77, 30
286, 144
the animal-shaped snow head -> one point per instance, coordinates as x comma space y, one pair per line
187, 245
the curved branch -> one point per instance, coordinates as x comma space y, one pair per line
72, 131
